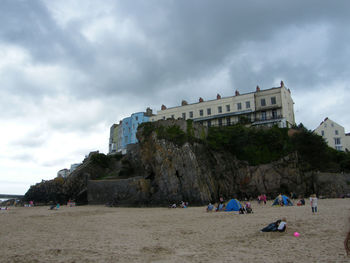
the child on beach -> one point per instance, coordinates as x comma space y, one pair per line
210, 207
313, 203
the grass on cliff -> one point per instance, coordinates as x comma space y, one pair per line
257, 146
172, 133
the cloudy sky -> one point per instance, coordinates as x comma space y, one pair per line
70, 69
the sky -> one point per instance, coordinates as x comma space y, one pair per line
70, 69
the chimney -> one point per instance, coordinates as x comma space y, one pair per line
163, 107
183, 103
149, 112
201, 99
237, 93
257, 88
282, 84
218, 96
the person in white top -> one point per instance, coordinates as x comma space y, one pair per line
313, 202
282, 225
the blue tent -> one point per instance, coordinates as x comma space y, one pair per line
233, 205
286, 201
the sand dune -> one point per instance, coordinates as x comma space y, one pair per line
102, 234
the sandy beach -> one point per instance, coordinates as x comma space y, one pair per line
103, 234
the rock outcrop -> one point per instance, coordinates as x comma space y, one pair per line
161, 170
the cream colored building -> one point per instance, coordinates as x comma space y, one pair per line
334, 134
260, 108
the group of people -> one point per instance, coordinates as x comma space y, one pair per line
246, 209
181, 205
220, 207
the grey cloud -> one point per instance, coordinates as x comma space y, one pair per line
30, 140
185, 41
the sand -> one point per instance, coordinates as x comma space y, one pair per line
103, 234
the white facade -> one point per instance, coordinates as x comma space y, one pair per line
334, 135
260, 108
63, 173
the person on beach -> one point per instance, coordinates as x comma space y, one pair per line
259, 199
221, 205
210, 208
313, 203
264, 198
242, 210
280, 200
282, 226
248, 208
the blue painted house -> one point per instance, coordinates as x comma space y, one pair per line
129, 128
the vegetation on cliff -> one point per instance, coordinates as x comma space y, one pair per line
261, 145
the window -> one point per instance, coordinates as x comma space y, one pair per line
322, 133
184, 116
336, 132
220, 121
273, 100
263, 115
263, 102
209, 111
173, 116
137, 118
274, 114
228, 108
200, 112
332, 124
219, 109
337, 141
338, 148
228, 121
239, 106
209, 123
191, 114
163, 117
247, 104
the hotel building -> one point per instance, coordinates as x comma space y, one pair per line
260, 108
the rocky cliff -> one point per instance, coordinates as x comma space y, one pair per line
172, 162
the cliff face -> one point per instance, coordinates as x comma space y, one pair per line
171, 164
170, 171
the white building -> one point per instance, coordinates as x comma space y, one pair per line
63, 173
261, 108
334, 134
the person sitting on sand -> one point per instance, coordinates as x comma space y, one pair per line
210, 207
242, 210
301, 202
221, 207
248, 208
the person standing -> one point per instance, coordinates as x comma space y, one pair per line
313, 202
264, 198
